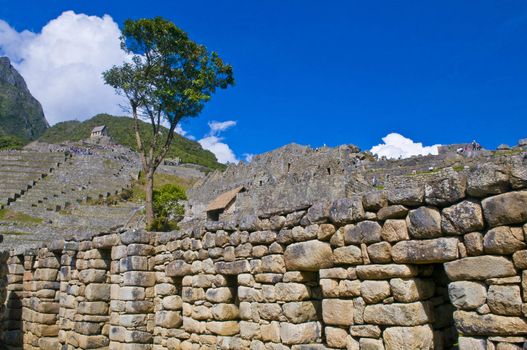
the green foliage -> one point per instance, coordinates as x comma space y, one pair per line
8, 142
120, 130
14, 216
167, 207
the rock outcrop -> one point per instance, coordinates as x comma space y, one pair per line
21, 114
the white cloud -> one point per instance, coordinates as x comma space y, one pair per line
62, 64
248, 157
217, 127
214, 143
397, 146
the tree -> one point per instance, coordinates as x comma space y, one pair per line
167, 78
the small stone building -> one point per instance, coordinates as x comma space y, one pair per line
224, 203
99, 131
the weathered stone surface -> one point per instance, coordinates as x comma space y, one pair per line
520, 259
350, 255
292, 292
178, 268
471, 323
479, 268
168, 319
409, 290
374, 291
474, 243
303, 333
447, 190
467, 295
487, 179
469, 343
506, 209
411, 314
505, 300
226, 328
308, 256
412, 194
380, 272
337, 312
364, 232
367, 331
392, 212
337, 337
233, 268
299, 312
424, 222
463, 217
425, 251
394, 230
416, 338
380, 253
371, 344
374, 200
503, 240
346, 210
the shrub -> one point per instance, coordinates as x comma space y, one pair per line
168, 208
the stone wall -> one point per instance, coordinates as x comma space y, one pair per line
436, 266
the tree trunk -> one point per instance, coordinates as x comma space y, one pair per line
149, 205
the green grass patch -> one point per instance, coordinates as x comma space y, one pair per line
160, 180
14, 233
11, 215
458, 168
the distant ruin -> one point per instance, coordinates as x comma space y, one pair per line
425, 259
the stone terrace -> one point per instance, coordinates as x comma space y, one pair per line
20, 171
61, 199
438, 264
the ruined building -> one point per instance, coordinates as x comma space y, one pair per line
299, 251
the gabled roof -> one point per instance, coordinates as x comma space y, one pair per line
224, 199
99, 128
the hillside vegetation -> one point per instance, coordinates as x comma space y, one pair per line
121, 131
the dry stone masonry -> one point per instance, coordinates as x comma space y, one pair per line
440, 263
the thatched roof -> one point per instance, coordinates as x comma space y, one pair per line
224, 199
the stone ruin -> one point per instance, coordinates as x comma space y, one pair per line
432, 262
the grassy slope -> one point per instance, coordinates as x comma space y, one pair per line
121, 131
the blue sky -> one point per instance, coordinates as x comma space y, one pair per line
336, 72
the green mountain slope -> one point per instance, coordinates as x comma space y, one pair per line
121, 131
21, 115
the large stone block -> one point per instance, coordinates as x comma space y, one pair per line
447, 190
479, 268
300, 312
503, 240
408, 290
346, 210
486, 179
178, 268
505, 300
463, 217
394, 230
415, 338
350, 255
168, 319
425, 251
337, 312
374, 291
412, 314
139, 279
467, 295
96, 292
303, 333
506, 209
233, 268
364, 232
472, 323
308, 256
381, 272
424, 222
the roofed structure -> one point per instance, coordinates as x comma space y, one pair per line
99, 131
223, 203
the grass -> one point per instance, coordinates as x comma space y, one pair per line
14, 233
138, 189
11, 215
458, 168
